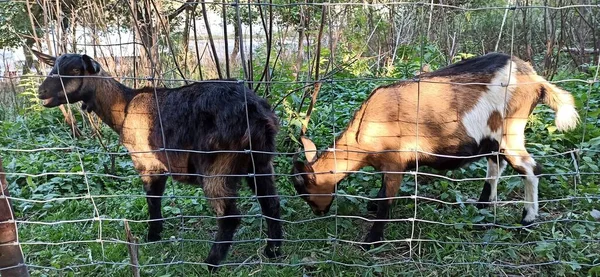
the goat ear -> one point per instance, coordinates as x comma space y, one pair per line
301, 167
45, 58
90, 65
310, 150
300, 179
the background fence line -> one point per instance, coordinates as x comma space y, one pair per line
79, 204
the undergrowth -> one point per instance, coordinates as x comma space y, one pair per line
71, 198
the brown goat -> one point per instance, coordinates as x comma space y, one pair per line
200, 133
444, 120
11, 256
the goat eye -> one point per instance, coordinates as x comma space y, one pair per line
76, 71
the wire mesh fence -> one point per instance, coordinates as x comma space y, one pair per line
80, 206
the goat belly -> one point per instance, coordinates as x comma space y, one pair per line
457, 156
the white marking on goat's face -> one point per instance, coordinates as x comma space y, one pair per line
493, 101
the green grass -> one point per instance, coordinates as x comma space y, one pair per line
446, 239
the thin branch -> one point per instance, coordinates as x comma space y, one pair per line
210, 39
317, 88
226, 41
189, 4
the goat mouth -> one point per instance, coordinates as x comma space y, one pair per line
50, 102
319, 213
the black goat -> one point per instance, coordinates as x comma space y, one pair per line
216, 116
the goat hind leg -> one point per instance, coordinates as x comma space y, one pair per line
525, 165
228, 218
531, 209
268, 199
154, 187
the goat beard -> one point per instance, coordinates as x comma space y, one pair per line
87, 107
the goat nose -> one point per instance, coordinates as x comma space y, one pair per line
41, 92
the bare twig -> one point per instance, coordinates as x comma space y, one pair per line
132, 247
226, 41
189, 4
317, 87
198, 59
210, 39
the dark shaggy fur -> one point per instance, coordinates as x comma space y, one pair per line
225, 117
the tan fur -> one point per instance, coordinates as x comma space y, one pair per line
447, 119
133, 127
213, 184
113, 105
423, 116
374, 131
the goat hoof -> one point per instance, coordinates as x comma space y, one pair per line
526, 224
211, 264
153, 237
212, 269
482, 206
273, 252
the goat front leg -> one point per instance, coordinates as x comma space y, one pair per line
372, 205
154, 187
495, 167
269, 203
389, 188
221, 193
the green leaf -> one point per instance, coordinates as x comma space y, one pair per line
29, 181
575, 265
478, 218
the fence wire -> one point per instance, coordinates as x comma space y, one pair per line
433, 227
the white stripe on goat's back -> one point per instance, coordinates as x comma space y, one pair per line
493, 101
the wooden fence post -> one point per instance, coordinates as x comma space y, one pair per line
11, 257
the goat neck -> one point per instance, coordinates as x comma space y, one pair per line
337, 162
110, 101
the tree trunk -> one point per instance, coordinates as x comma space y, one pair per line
550, 30
186, 39
236, 44
148, 35
300, 52
29, 58
527, 51
11, 256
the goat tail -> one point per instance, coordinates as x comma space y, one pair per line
563, 104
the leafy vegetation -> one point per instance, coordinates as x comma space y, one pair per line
69, 185
72, 196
